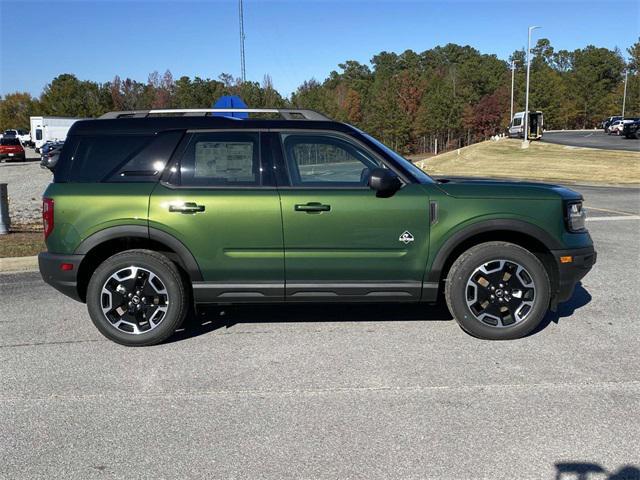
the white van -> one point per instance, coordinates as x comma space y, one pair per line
50, 129
536, 125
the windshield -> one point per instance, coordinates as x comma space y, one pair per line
421, 176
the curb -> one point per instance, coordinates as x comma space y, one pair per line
18, 264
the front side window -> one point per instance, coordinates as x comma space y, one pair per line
324, 160
214, 159
38, 134
517, 121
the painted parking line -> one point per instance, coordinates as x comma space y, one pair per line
608, 210
613, 218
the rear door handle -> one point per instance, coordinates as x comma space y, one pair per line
312, 207
187, 207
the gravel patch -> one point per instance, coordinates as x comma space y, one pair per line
26, 183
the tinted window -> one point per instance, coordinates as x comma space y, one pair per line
92, 158
324, 160
221, 159
9, 141
149, 163
38, 134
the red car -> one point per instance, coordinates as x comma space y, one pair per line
11, 149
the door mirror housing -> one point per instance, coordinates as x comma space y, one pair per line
384, 182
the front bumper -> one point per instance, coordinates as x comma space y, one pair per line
64, 281
570, 273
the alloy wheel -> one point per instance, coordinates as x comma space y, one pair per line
134, 300
500, 293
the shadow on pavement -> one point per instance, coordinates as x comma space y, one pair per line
579, 299
211, 318
589, 471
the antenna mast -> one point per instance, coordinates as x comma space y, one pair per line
243, 74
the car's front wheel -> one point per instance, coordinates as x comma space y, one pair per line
498, 291
137, 298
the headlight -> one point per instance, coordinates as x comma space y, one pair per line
576, 217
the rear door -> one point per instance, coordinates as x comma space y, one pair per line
222, 204
341, 241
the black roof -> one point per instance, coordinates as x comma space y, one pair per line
151, 125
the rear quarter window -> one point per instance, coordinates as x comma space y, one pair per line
89, 159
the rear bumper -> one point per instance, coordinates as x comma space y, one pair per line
16, 156
63, 281
569, 274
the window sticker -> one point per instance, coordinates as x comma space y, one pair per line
232, 161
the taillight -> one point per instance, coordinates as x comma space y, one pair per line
47, 216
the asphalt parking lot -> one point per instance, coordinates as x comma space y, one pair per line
341, 391
591, 139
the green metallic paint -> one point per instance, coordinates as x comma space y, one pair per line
238, 237
82, 209
358, 239
253, 235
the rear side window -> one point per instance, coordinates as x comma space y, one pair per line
213, 159
89, 159
115, 158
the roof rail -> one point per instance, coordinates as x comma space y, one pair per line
285, 113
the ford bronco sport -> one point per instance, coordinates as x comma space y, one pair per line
151, 212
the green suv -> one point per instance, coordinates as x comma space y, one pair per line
153, 212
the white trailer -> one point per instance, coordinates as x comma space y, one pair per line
50, 129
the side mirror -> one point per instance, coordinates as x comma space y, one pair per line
384, 182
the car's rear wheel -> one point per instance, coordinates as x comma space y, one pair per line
498, 291
137, 298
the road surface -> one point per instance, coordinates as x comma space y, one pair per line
339, 391
592, 139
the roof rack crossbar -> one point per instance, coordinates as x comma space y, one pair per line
285, 113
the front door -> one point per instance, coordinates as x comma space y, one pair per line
220, 203
341, 241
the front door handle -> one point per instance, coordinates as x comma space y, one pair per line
312, 207
187, 207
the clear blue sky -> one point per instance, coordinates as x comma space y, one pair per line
291, 40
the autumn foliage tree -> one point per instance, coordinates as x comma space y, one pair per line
449, 95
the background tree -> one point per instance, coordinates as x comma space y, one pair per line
15, 110
452, 94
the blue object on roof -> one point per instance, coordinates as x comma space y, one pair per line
230, 101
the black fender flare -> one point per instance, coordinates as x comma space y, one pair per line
148, 233
503, 225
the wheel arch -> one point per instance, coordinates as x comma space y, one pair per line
529, 236
105, 243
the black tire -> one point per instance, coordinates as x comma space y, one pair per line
166, 271
456, 290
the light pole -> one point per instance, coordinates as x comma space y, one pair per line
513, 70
525, 142
624, 95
